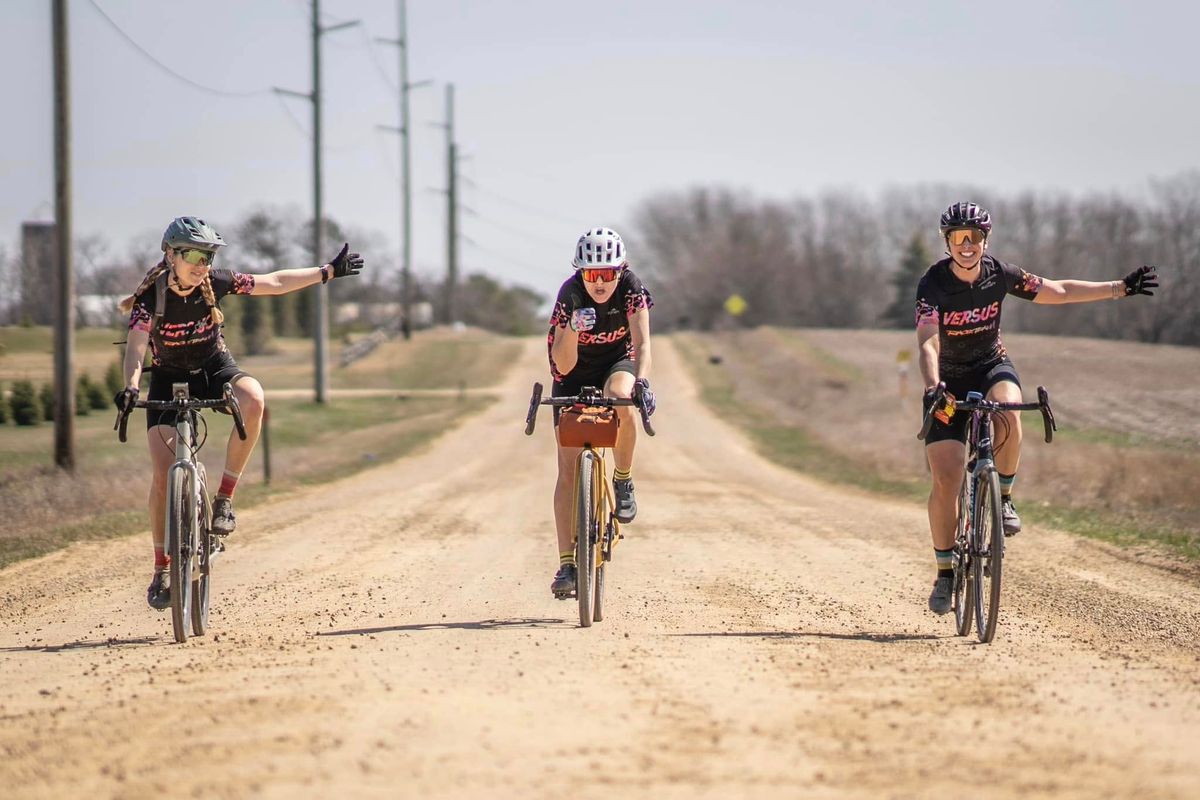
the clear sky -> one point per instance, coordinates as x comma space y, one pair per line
572, 112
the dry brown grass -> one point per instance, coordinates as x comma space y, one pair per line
1127, 412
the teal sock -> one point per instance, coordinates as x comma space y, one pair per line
945, 562
1006, 483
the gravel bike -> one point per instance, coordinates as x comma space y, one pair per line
190, 542
589, 421
978, 538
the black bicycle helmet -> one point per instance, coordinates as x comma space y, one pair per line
191, 232
966, 215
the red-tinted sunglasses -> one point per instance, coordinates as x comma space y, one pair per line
597, 274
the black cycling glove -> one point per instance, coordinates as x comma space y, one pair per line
346, 263
1141, 280
125, 399
643, 398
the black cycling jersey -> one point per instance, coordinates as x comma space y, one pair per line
185, 337
968, 314
610, 340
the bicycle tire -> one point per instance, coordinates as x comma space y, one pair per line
585, 547
989, 554
202, 585
964, 611
179, 537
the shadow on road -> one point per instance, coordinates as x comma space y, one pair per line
862, 636
481, 625
89, 644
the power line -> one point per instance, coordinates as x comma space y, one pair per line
513, 229
502, 257
164, 67
526, 207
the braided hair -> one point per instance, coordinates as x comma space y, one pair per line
206, 290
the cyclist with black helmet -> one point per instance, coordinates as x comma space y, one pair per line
175, 311
599, 336
958, 336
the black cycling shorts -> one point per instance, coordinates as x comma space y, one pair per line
981, 380
578, 378
206, 383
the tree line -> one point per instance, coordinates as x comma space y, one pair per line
267, 239
845, 260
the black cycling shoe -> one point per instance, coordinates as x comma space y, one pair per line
564, 582
1008, 513
626, 502
158, 594
224, 521
939, 600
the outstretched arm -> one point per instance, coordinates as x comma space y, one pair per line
1140, 281
290, 280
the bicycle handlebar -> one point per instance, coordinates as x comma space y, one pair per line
228, 402
992, 407
591, 398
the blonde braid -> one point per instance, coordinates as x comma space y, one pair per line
206, 289
126, 305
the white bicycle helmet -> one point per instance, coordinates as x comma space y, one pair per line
599, 247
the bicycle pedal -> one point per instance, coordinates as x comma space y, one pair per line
563, 595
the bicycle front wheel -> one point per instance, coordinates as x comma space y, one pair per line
181, 528
585, 544
988, 554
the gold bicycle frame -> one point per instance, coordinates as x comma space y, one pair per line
602, 502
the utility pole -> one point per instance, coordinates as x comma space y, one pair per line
64, 319
321, 307
451, 210
401, 43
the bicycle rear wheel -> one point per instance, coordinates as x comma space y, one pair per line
585, 544
181, 527
605, 545
988, 554
964, 598
201, 586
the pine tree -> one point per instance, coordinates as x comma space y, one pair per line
24, 404
914, 264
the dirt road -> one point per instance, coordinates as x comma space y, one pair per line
393, 634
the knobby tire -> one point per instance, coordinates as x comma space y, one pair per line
989, 539
963, 583
202, 586
585, 548
180, 529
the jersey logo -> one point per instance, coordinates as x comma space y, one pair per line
952, 318
603, 338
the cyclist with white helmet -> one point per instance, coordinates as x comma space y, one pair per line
175, 311
599, 336
958, 337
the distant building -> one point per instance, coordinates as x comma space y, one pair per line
39, 255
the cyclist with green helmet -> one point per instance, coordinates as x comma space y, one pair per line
958, 338
176, 312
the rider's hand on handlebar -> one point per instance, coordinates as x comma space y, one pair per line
583, 319
1141, 280
125, 399
945, 409
346, 263
643, 398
